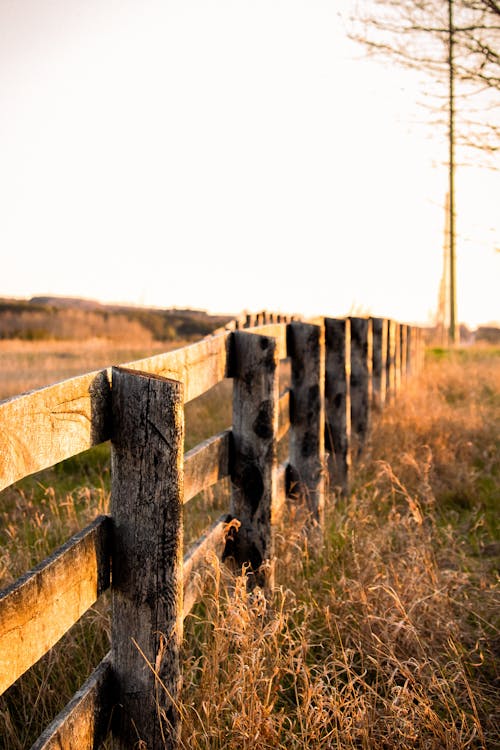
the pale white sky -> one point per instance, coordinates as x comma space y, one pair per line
226, 154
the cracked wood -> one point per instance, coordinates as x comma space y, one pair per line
38, 609
146, 506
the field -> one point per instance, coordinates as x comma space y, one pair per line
386, 636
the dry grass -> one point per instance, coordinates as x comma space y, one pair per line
386, 637
26, 365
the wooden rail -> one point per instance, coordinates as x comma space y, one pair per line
341, 370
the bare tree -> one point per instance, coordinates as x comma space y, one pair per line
457, 42
419, 34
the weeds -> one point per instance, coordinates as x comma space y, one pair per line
388, 636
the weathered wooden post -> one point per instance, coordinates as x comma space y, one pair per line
250, 320
306, 347
420, 349
253, 365
397, 358
360, 382
337, 402
379, 360
391, 360
403, 343
410, 342
146, 507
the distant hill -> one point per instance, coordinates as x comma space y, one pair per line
74, 303
68, 318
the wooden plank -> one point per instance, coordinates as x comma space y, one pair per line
146, 506
254, 366
306, 348
195, 567
276, 331
84, 723
206, 464
337, 402
283, 415
46, 426
199, 366
38, 609
281, 493
39, 429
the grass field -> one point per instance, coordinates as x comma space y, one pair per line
388, 636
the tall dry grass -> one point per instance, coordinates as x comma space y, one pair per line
26, 365
386, 636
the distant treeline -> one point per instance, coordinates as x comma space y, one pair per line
53, 318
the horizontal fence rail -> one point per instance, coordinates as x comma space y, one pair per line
342, 371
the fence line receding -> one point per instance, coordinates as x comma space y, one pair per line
342, 370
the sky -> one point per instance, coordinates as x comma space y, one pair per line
227, 155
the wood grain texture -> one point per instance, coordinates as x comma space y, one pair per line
39, 429
196, 566
276, 331
199, 366
254, 365
146, 502
84, 723
38, 609
46, 426
360, 382
337, 402
306, 348
379, 361
283, 415
206, 464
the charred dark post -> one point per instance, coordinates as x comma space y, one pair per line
146, 506
254, 369
306, 348
403, 350
379, 362
397, 358
337, 402
391, 360
360, 382
410, 344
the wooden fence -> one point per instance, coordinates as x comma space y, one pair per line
341, 370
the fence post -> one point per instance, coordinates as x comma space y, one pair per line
403, 350
360, 381
337, 402
146, 506
391, 360
379, 370
306, 347
410, 343
397, 357
420, 349
253, 365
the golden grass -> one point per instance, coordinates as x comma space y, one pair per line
388, 636
26, 365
